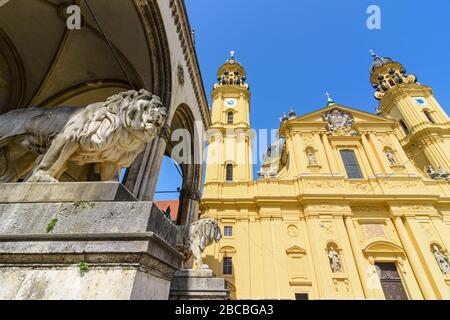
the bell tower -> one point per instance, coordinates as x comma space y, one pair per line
230, 141
424, 127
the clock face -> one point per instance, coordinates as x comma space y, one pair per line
420, 101
230, 102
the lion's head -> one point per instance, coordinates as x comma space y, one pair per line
142, 113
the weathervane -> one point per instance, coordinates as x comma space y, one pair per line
232, 53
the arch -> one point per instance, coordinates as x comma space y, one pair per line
12, 76
433, 243
229, 168
334, 244
404, 127
227, 250
230, 117
382, 247
85, 94
182, 127
429, 116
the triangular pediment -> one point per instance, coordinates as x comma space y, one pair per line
358, 115
295, 250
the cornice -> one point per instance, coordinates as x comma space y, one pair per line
184, 31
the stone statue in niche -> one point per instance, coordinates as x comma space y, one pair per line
37, 143
441, 260
311, 157
335, 261
390, 157
196, 237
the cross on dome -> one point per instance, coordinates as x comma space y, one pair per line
330, 100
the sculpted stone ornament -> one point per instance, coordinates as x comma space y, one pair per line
335, 261
340, 122
442, 175
196, 237
37, 143
441, 260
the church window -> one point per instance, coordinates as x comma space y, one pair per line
429, 117
227, 266
351, 164
404, 127
230, 117
229, 173
301, 296
228, 231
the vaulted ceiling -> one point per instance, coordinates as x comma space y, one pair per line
42, 62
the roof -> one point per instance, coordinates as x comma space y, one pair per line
174, 206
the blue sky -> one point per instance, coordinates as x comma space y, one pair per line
295, 50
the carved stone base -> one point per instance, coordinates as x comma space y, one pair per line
85, 250
64, 192
189, 284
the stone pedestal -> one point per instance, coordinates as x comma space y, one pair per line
189, 284
78, 247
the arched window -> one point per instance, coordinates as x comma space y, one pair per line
229, 175
428, 115
351, 164
230, 117
404, 127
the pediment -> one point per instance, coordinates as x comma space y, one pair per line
358, 115
382, 247
227, 249
295, 250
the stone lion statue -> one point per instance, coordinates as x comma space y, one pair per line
37, 143
196, 237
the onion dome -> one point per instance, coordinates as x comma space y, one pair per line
386, 74
378, 61
231, 73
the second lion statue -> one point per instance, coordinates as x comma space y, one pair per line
195, 237
37, 143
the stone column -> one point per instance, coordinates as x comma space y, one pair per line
330, 156
142, 176
369, 150
314, 252
359, 259
300, 158
435, 154
321, 153
414, 259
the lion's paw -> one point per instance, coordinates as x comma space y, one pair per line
204, 267
42, 177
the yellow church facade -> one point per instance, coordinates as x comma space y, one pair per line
349, 205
